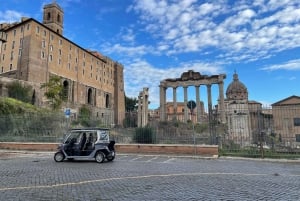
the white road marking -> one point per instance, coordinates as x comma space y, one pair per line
135, 177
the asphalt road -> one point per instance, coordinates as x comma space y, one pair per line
36, 176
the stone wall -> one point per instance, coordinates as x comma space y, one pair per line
194, 150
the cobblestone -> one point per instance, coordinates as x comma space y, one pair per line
35, 176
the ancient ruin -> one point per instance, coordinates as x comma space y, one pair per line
195, 79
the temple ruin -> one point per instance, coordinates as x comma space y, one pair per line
195, 79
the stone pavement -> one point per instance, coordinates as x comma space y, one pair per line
35, 176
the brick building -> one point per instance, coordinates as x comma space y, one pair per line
286, 115
31, 51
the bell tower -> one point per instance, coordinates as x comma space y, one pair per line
54, 17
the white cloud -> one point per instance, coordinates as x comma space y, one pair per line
290, 65
239, 30
10, 16
125, 50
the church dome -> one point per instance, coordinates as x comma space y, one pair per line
236, 90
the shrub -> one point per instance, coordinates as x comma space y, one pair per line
144, 135
17, 91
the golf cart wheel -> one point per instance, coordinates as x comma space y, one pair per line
111, 156
59, 157
99, 157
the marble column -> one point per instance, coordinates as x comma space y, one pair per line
198, 104
210, 117
185, 104
145, 107
174, 103
209, 100
222, 106
139, 123
162, 107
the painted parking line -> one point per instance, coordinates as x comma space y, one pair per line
169, 160
137, 177
151, 159
136, 158
147, 159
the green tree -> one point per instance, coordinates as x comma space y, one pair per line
84, 115
130, 104
17, 91
55, 92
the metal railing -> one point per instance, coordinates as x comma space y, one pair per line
265, 134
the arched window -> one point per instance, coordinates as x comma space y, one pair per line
58, 18
65, 90
48, 16
107, 101
90, 92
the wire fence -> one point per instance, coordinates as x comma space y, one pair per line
255, 133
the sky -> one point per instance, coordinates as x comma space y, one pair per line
160, 39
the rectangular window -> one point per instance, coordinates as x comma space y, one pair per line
20, 52
13, 45
59, 51
10, 66
297, 137
50, 57
15, 31
37, 30
45, 33
296, 121
28, 26
43, 44
60, 41
42, 55
51, 48
2, 69
12, 55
